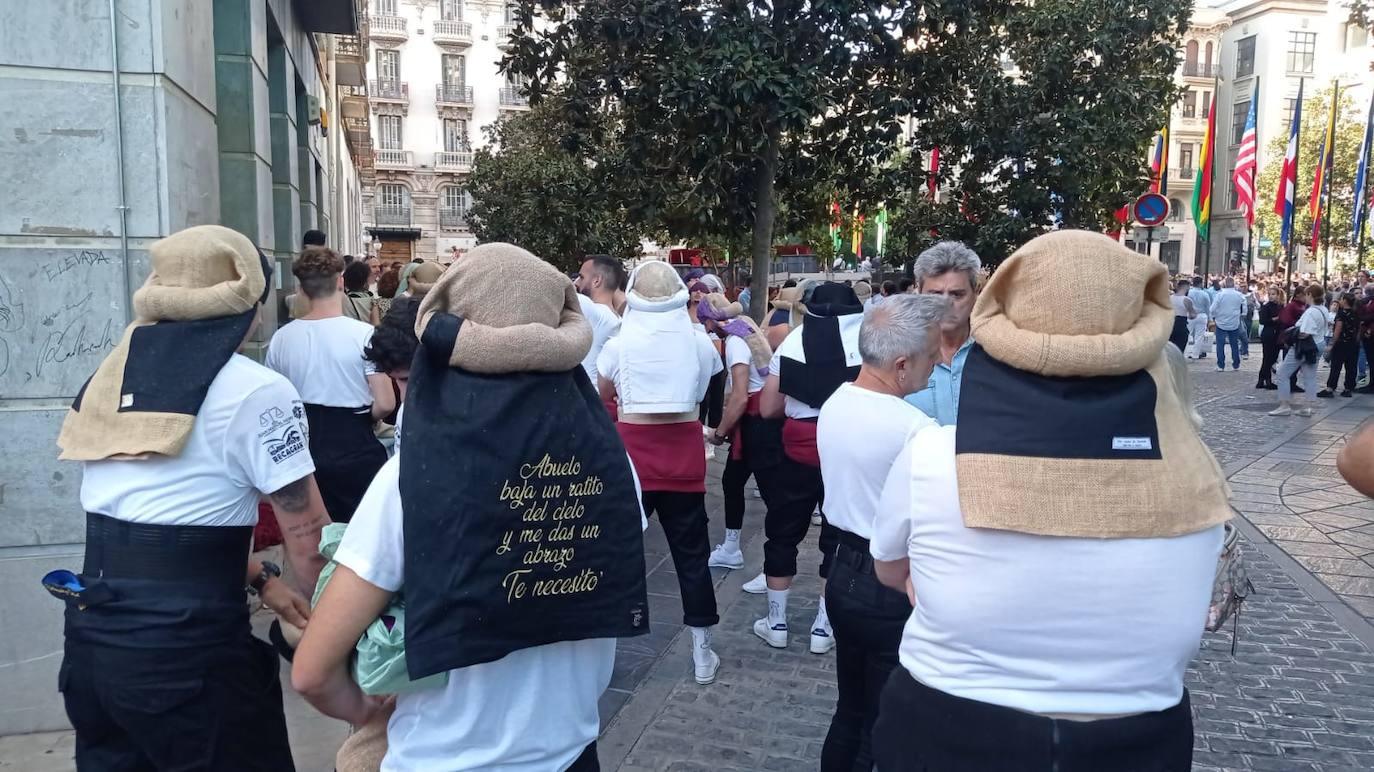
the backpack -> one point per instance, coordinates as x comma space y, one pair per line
1230, 586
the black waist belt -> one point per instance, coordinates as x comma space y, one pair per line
196, 554
853, 550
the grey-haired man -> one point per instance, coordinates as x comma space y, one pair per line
950, 269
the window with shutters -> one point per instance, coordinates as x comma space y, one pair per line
389, 132
455, 135
454, 69
1239, 112
388, 65
1245, 57
1302, 52
392, 195
451, 10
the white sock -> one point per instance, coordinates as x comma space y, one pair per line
701, 638
732, 539
822, 621
777, 606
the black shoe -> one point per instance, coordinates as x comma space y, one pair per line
1261, 385
1326, 394
1299, 390
1271, 386
1347, 393
1365, 390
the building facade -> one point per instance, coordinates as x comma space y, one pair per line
434, 83
1276, 44
125, 121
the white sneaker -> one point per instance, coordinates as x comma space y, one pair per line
724, 557
822, 640
756, 586
1303, 411
1281, 410
773, 635
707, 662
816, 517
710, 451
755, 493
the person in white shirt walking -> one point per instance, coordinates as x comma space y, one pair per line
1198, 345
1304, 351
1228, 308
322, 355
861, 429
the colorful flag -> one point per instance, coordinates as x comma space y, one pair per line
1202, 188
933, 183
1323, 176
1159, 163
835, 229
881, 222
1288, 178
1247, 161
858, 235
1361, 202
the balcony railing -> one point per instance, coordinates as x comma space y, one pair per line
1185, 173
1190, 112
451, 31
390, 90
392, 215
452, 160
388, 27
395, 159
511, 97
1195, 70
453, 94
503, 34
452, 218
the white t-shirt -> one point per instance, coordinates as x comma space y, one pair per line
605, 324
1038, 623
250, 437
858, 435
1313, 322
791, 347
737, 353
708, 361
323, 359
533, 710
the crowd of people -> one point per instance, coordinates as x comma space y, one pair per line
998, 468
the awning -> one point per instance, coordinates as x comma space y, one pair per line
394, 232
339, 17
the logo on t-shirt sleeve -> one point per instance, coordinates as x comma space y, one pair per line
284, 435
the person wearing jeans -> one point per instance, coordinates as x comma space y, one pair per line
1227, 308
1302, 355
861, 429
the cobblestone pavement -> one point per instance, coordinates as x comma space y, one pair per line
1297, 695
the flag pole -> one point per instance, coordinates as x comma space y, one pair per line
1211, 177
1288, 248
1326, 180
1254, 195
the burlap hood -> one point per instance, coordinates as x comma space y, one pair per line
191, 314
1072, 422
423, 278
732, 320
519, 313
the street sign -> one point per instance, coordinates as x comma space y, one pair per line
1151, 209
1156, 233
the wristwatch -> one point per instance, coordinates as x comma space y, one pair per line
268, 572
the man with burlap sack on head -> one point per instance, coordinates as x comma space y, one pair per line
1061, 540
512, 526
178, 436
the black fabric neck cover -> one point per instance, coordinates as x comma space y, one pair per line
170, 364
1020, 413
522, 526
825, 368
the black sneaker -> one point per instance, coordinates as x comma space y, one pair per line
1271, 386
1326, 394
1347, 393
1299, 390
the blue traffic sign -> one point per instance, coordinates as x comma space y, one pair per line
1151, 209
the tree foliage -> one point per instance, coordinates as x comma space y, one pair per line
1049, 133
542, 185
1349, 136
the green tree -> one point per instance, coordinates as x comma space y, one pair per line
1349, 135
540, 184
736, 112
1060, 98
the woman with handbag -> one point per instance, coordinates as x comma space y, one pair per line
1303, 353
1269, 337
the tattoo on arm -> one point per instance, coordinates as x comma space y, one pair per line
293, 497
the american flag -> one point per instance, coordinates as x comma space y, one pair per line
1247, 162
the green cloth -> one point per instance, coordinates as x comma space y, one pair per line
379, 659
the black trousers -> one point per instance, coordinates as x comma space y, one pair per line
347, 456
1179, 337
713, 403
1344, 356
205, 708
793, 492
1269, 343
683, 517
587, 762
867, 619
732, 480
921, 729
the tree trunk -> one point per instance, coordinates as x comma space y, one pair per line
765, 210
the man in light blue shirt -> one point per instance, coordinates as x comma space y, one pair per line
951, 269
1226, 309
1198, 346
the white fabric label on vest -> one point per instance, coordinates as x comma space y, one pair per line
1131, 443
126, 400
